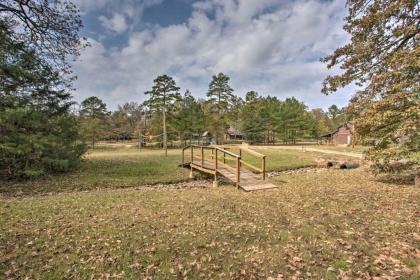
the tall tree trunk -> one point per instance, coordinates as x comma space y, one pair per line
165, 138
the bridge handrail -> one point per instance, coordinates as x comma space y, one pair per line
250, 151
223, 149
212, 148
262, 157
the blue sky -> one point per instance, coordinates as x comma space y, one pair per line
271, 46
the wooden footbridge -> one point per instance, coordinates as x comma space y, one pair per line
222, 161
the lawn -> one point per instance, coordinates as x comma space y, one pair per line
109, 168
122, 166
333, 224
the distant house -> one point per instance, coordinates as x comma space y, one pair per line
341, 136
233, 134
207, 138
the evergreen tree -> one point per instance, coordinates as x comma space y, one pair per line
190, 117
39, 134
252, 123
162, 97
383, 59
293, 120
93, 118
221, 97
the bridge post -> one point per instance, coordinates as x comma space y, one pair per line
183, 158
216, 179
263, 167
202, 156
238, 171
192, 154
215, 161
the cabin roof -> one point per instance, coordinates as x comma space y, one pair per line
347, 125
233, 131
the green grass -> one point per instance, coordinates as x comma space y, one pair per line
278, 160
109, 168
330, 225
116, 167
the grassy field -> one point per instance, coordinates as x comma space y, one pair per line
109, 168
330, 225
118, 167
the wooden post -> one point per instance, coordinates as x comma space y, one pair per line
191, 176
238, 171
215, 161
224, 157
183, 162
192, 154
263, 167
202, 156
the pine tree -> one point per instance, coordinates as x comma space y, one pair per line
93, 118
190, 117
252, 123
221, 97
162, 97
38, 132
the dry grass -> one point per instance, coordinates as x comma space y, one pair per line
316, 225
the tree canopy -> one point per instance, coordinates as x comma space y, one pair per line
39, 133
163, 95
383, 59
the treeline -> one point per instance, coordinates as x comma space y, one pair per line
257, 119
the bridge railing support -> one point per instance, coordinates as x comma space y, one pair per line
215, 151
261, 157
238, 171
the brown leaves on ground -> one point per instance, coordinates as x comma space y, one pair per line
334, 224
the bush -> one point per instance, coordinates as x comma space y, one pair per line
34, 143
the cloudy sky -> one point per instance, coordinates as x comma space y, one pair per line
271, 46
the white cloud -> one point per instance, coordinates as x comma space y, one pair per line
261, 45
116, 23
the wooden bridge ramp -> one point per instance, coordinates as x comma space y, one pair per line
221, 161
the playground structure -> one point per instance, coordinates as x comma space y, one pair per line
222, 161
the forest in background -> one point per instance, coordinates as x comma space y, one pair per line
257, 118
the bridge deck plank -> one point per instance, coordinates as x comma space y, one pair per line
249, 181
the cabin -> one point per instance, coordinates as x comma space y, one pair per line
206, 138
233, 134
342, 136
